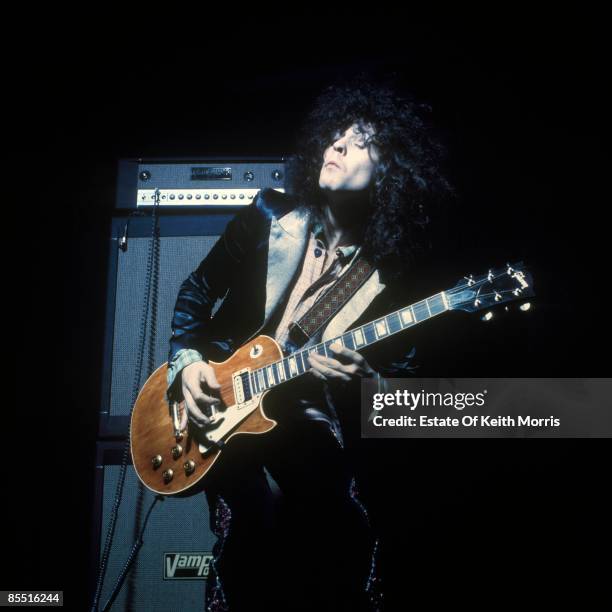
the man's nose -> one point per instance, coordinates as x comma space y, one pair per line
339, 145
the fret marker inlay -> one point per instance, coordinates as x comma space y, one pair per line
381, 328
292, 366
406, 315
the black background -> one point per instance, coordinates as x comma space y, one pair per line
479, 523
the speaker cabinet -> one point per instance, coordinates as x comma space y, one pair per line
171, 568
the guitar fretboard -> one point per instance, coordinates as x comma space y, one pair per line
296, 363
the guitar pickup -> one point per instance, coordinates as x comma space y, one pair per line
243, 393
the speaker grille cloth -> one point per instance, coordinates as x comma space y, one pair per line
179, 256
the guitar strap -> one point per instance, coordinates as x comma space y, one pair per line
332, 300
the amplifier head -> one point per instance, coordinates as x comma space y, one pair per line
197, 183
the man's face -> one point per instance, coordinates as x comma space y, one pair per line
349, 162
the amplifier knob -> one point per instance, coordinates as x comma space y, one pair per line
189, 196
277, 175
172, 196
145, 175
233, 196
224, 196
242, 196
215, 197
198, 196
249, 176
207, 197
180, 196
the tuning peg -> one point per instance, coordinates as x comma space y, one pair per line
498, 297
490, 276
487, 316
520, 277
470, 280
525, 307
509, 269
517, 291
477, 302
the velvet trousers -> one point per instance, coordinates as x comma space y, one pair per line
292, 533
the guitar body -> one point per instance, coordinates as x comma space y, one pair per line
156, 450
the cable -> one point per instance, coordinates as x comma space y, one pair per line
150, 297
137, 544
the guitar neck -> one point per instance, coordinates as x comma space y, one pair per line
296, 363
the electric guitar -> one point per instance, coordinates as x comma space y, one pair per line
170, 461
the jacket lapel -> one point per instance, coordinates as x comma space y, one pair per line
288, 239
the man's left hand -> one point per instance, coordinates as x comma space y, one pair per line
348, 365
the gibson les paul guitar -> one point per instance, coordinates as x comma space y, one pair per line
170, 461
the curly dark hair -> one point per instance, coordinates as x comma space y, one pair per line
409, 184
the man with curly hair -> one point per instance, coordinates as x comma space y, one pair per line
292, 532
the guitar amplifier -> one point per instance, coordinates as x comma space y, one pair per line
171, 568
196, 183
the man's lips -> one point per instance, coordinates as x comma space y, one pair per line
332, 163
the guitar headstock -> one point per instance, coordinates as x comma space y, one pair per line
473, 293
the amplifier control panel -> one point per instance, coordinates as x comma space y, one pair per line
196, 183
198, 197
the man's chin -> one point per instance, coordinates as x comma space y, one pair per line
326, 186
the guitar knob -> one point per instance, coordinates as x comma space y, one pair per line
177, 451
168, 475
156, 461
189, 466
524, 307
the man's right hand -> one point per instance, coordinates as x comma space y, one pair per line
200, 390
